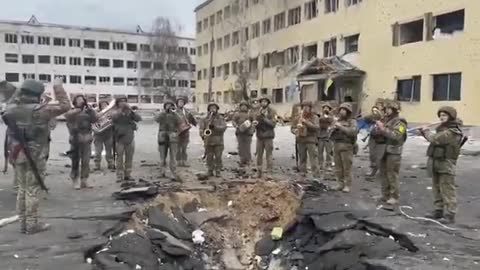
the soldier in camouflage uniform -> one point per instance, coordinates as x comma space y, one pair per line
184, 137
168, 123
376, 142
394, 131
125, 124
442, 155
242, 121
325, 145
103, 140
32, 119
305, 127
265, 118
79, 123
214, 143
344, 136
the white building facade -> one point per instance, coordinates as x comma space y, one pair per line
99, 63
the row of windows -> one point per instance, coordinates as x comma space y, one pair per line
92, 62
142, 99
102, 80
87, 43
446, 87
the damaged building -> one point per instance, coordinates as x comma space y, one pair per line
422, 53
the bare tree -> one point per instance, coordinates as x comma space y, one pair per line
169, 59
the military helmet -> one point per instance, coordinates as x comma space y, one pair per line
212, 104
184, 98
346, 106
327, 104
168, 101
448, 110
33, 87
307, 104
264, 98
120, 98
244, 102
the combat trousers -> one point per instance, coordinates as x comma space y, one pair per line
81, 161
28, 195
325, 146
389, 171
214, 157
444, 193
101, 142
244, 149
264, 146
375, 152
183, 141
171, 150
124, 160
310, 150
343, 156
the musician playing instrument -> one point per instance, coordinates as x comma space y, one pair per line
305, 127
325, 145
376, 142
168, 123
103, 140
344, 135
79, 122
242, 121
125, 120
212, 130
187, 121
265, 122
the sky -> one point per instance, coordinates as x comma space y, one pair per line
118, 14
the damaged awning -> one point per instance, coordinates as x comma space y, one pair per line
325, 68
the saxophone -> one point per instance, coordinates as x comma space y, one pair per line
208, 132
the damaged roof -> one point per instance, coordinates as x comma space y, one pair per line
331, 67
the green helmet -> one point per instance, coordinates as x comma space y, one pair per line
33, 87
328, 105
262, 98
213, 104
346, 106
168, 101
393, 104
307, 104
184, 98
244, 102
448, 110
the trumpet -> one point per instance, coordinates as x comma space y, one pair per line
254, 123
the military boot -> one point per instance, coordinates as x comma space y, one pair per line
372, 172
23, 226
84, 184
111, 167
38, 228
97, 167
210, 173
218, 173
392, 201
448, 219
346, 189
76, 184
436, 214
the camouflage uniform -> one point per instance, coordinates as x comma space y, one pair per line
33, 119
168, 122
305, 127
325, 145
244, 133
344, 139
266, 118
442, 155
214, 143
103, 140
376, 142
125, 125
395, 135
79, 123
184, 137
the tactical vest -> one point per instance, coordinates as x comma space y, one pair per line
241, 118
82, 123
339, 136
168, 122
124, 128
450, 151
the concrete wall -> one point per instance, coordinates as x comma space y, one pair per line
383, 63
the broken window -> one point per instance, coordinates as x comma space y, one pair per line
131, 64
75, 79
145, 47
131, 47
63, 77
253, 94
89, 62
104, 80
277, 95
330, 48
88, 43
311, 10
75, 61
74, 42
352, 2
235, 38
278, 58
91, 80
43, 40
11, 58
28, 76
292, 55
118, 81
28, 59
59, 42
104, 62
44, 59
12, 77
331, 5
447, 87
132, 82
45, 78
447, 24
267, 26
408, 32
219, 44
279, 21
226, 41
294, 16
309, 52
117, 46
409, 89
351, 43
26, 39
11, 38
117, 63
264, 91
256, 30
104, 45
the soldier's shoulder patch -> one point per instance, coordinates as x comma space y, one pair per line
402, 128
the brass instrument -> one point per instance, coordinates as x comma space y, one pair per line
301, 130
184, 124
208, 132
245, 125
413, 131
104, 121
